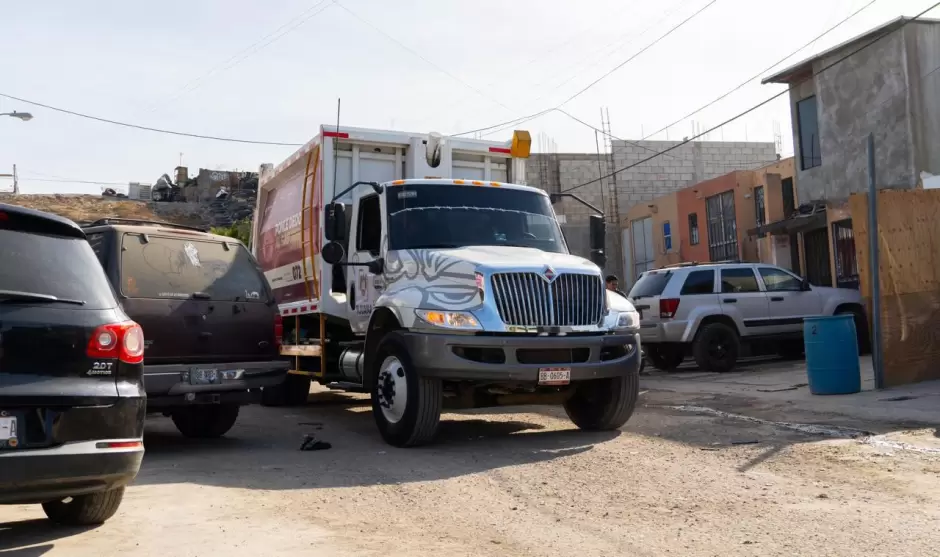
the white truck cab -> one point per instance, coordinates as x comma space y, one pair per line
454, 293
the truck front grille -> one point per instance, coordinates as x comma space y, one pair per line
528, 300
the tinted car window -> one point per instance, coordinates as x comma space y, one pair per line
161, 267
54, 265
777, 280
738, 280
650, 284
699, 282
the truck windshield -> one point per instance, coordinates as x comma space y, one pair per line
451, 216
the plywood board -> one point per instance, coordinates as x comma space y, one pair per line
909, 267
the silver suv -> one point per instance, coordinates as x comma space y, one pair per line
709, 310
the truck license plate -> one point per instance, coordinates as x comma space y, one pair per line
8, 431
203, 376
554, 375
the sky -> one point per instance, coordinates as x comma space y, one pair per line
273, 71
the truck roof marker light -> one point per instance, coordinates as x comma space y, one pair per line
460, 182
495, 184
398, 183
504, 150
338, 135
521, 144
477, 183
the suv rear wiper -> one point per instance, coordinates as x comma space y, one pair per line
19, 296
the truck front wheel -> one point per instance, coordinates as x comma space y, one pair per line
604, 404
406, 406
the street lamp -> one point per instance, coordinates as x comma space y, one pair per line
24, 116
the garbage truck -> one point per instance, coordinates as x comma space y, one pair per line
421, 269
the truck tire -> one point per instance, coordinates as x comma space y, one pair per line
205, 422
716, 348
604, 404
294, 391
664, 359
406, 406
84, 510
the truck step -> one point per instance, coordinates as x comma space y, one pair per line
301, 349
347, 386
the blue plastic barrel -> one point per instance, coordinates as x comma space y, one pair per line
832, 366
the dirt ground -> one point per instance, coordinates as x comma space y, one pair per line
521, 483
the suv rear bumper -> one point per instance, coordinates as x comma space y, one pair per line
165, 386
39, 475
670, 331
449, 356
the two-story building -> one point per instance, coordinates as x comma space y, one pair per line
884, 82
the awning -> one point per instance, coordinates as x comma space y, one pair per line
808, 218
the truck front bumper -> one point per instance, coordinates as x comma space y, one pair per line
519, 358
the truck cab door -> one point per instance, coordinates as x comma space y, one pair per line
365, 244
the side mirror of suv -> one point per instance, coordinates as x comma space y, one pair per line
805, 284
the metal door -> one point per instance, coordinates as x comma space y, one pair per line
722, 227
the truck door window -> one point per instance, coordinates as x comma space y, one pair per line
369, 237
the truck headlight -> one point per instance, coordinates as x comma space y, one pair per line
461, 320
628, 320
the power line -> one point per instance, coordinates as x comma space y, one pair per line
66, 181
250, 50
596, 81
762, 72
755, 107
419, 55
148, 128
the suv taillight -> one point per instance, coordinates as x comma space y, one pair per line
123, 341
668, 307
278, 330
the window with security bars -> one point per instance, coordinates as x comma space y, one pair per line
760, 209
722, 228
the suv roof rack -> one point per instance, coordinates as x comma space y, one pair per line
118, 220
683, 264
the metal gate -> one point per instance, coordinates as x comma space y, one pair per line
843, 239
816, 252
722, 227
643, 254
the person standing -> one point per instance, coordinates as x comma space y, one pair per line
613, 284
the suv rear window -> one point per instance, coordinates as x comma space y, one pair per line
650, 284
164, 267
54, 265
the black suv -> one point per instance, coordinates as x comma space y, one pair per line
72, 403
209, 314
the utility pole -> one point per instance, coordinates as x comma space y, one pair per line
877, 356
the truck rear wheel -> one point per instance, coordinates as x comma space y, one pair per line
604, 404
406, 406
294, 391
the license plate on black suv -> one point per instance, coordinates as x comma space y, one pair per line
8, 431
204, 376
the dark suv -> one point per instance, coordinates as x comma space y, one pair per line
209, 315
72, 403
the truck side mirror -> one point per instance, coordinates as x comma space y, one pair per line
804, 284
332, 253
598, 233
334, 222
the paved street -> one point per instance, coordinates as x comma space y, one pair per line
672, 482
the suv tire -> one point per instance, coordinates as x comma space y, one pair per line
604, 404
294, 391
406, 421
665, 359
84, 510
861, 329
205, 422
716, 348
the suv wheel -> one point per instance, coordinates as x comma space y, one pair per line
716, 348
604, 404
84, 510
406, 406
665, 359
205, 422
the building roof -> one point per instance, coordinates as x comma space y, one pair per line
798, 71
